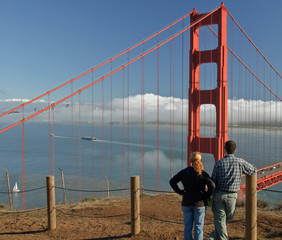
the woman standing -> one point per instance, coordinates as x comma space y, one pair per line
198, 187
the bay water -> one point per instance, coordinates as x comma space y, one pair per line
112, 158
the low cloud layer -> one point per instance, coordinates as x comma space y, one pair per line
240, 112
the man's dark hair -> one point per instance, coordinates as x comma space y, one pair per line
230, 147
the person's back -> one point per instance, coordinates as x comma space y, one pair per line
228, 171
226, 175
197, 188
194, 193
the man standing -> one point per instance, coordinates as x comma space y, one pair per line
227, 178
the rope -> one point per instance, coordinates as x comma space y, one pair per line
151, 190
77, 215
162, 220
268, 190
24, 191
97, 191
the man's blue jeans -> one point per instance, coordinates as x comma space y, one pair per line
223, 208
193, 215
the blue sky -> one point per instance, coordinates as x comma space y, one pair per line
46, 43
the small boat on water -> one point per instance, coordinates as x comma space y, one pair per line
89, 138
15, 188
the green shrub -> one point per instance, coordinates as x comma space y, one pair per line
89, 199
279, 206
262, 204
3, 206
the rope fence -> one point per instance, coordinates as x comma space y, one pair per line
93, 191
156, 191
269, 190
135, 207
29, 190
83, 216
111, 190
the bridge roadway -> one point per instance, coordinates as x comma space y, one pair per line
266, 176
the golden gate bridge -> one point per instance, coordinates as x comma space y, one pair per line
201, 79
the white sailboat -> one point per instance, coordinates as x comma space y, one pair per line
15, 188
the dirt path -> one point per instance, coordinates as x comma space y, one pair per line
161, 219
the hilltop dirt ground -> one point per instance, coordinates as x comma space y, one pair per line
161, 218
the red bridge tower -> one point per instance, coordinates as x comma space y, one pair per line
217, 96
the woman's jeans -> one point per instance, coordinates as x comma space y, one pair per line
193, 215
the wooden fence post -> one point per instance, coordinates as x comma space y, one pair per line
135, 206
251, 207
51, 204
63, 184
9, 190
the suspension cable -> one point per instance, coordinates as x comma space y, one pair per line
253, 43
100, 65
109, 74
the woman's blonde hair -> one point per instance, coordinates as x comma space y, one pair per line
196, 159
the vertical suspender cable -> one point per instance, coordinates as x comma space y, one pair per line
158, 115
264, 111
49, 135
232, 76
239, 97
93, 134
123, 155
173, 42
276, 109
72, 183
103, 138
246, 117
270, 125
204, 84
182, 96
280, 147
53, 111
111, 130
187, 94
23, 146
128, 172
79, 143
257, 116
170, 134
256, 103
249, 106
142, 120
211, 97
252, 106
